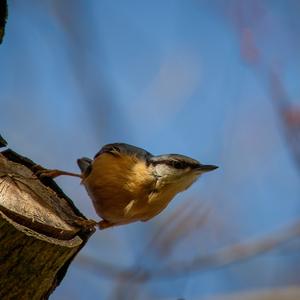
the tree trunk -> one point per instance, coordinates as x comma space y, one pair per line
39, 231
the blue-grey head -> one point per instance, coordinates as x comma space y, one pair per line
178, 170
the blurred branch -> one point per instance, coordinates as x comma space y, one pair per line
234, 253
87, 63
223, 257
185, 226
289, 114
277, 293
174, 229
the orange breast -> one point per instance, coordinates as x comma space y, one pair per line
114, 182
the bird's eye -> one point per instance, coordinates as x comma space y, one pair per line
178, 165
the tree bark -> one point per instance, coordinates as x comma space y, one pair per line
39, 231
3, 17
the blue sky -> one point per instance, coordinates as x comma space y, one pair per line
168, 76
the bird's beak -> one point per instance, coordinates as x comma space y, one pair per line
207, 168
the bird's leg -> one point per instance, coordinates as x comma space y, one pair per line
55, 173
42, 172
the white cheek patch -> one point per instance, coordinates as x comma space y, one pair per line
189, 181
159, 170
162, 170
176, 180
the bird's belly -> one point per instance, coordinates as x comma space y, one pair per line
123, 208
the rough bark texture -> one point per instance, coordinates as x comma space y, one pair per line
39, 235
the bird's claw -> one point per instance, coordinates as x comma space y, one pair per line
87, 224
91, 224
104, 224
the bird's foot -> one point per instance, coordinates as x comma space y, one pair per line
105, 224
87, 224
91, 224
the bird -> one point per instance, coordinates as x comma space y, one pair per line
129, 184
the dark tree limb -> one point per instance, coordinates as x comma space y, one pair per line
3, 17
39, 231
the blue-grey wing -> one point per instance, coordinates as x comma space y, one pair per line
116, 148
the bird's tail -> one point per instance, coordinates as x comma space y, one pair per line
85, 165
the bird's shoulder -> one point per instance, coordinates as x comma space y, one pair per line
122, 148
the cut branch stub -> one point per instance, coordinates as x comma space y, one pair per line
39, 234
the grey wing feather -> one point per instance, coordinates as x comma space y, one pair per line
124, 148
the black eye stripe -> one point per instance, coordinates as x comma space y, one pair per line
179, 165
174, 163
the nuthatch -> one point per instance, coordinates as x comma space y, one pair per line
128, 184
